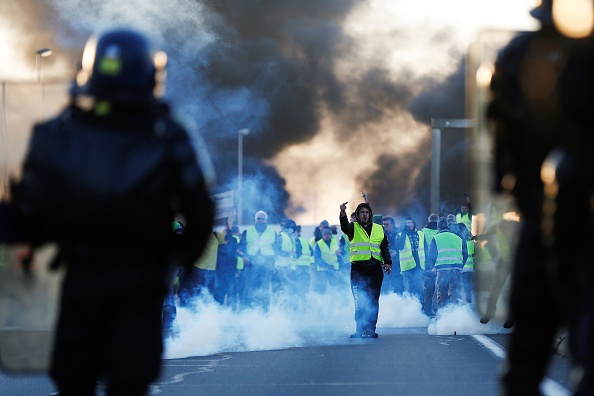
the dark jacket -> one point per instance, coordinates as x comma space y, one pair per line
86, 176
413, 237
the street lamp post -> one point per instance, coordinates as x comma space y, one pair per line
43, 52
240, 134
3, 143
437, 125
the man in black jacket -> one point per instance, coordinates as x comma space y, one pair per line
370, 256
118, 155
393, 282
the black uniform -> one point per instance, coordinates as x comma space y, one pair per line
119, 181
543, 91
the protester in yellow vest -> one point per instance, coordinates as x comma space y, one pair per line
502, 239
370, 253
463, 215
303, 268
468, 270
326, 259
318, 233
287, 250
465, 219
447, 256
430, 230
256, 250
225, 291
200, 281
413, 249
393, 283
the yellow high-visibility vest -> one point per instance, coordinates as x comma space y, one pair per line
208, 258
469, 265
328, 254
429, 234
287, 247
407, 261
364, 246
465, 219
262, 243
449, 250
306, 257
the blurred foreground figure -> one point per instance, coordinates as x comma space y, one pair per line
543, 94
113, 155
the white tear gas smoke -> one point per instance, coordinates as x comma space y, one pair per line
261, 192
208, 328
461, 320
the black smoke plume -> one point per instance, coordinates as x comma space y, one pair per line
401, 183
269, 66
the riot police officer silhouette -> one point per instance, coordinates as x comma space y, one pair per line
542, 101
104, 179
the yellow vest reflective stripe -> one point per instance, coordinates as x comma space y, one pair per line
262, 243
328, 254
306, 257
449, 250
364, 246
407, 261
287, 247
469, 265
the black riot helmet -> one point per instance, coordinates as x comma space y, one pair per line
120, 66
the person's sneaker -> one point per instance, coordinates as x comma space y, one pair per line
369, 334
356, 334
485, 319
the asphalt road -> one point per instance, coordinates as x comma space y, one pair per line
405, 361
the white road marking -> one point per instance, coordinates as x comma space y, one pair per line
203, 365
548, 387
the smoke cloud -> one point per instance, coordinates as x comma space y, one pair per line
282, 72
208, 328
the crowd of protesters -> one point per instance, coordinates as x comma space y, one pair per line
264, 265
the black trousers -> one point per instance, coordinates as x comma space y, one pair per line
366, 285
544, 299
109, 328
